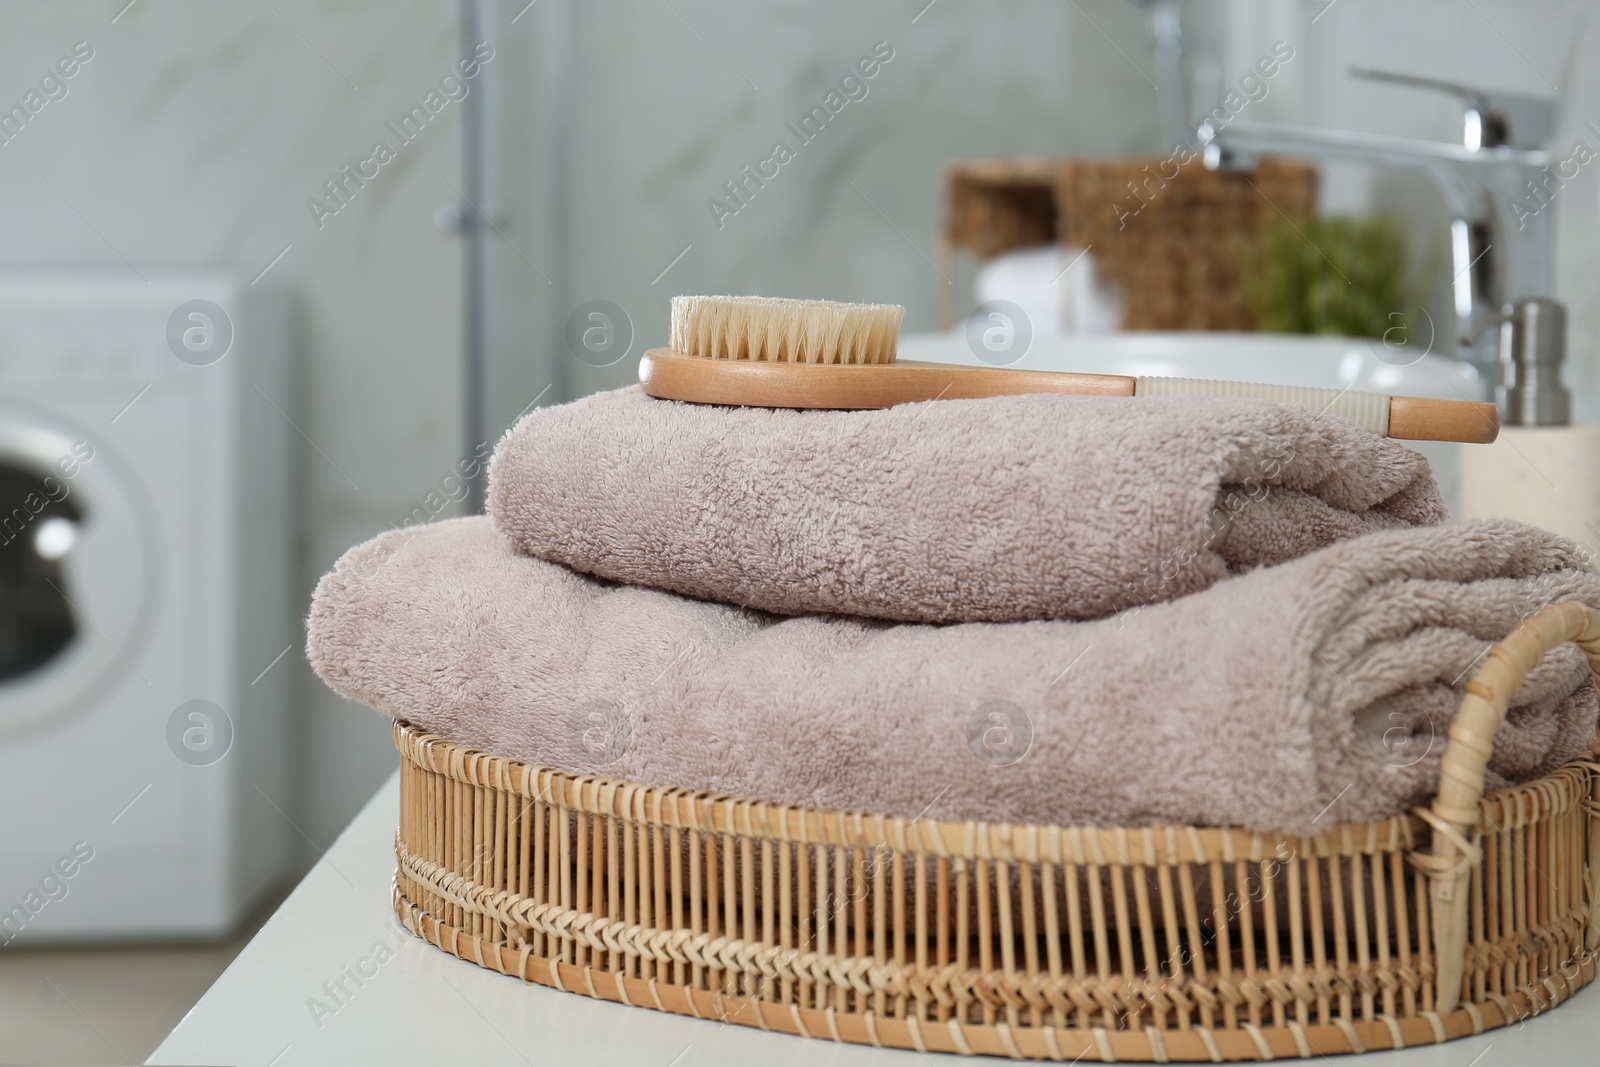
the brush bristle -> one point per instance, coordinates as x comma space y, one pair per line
785, 331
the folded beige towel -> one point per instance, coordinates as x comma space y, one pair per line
1011, 508
1311, 692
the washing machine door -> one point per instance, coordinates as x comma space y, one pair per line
79, 558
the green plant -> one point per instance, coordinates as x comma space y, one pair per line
1339, 275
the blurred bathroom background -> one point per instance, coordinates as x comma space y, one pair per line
276, 341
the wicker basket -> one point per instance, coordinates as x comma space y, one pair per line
1038, 942
1167, 234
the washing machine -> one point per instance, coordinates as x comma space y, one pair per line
148, 632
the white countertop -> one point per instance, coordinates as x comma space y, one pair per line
423, 1006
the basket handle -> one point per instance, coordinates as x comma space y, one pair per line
1455, 814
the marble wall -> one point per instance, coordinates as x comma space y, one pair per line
193, 139
664, 104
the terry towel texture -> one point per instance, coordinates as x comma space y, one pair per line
1308, 693
1010, 508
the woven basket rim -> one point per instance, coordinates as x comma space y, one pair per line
1511, 807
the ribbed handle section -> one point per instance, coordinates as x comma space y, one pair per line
1370, 411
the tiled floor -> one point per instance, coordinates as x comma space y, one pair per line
111, 1005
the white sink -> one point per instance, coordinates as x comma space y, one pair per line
1284, 359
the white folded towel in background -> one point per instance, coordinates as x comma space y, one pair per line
1056, 299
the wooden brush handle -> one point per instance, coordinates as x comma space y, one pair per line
1416, 418
672, 375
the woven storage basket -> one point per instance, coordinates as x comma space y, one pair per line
1169, 236
1040, 942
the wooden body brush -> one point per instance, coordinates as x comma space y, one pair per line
760, 352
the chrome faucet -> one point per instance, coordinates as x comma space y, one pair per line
1496, 183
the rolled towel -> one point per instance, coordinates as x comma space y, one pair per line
1006, 509
1311, 692
1055, 298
